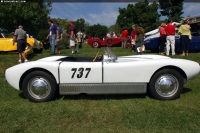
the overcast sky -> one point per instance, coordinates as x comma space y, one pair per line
103, 13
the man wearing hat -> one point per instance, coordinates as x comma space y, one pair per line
185, 36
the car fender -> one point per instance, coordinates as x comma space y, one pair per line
19, 70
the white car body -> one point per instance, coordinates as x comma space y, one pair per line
109, 75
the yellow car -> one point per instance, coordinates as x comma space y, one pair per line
7, 45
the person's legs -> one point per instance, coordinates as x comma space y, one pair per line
167, 45
172, 40
53, 40
72, 45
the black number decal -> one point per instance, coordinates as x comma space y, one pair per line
73, 69
87, 69
80, 72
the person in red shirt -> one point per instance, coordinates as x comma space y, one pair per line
133, 37
162, 38
124, 37
170, 39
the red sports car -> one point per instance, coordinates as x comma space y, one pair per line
97, 43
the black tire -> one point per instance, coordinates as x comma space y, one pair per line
166, 84
109, 42
37, 50
95, 44
39, 86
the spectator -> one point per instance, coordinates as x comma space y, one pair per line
170, 39
133, 37
58, 40
108, 35
20, 36
185, 33
162, 38
114, 35
72, 36
79, 40
53, 34
139, 43
124, 36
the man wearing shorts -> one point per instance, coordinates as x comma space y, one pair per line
20, 36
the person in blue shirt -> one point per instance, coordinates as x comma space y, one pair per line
53, 34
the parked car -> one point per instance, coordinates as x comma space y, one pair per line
112, 41
7, 45
152, 41
162, 76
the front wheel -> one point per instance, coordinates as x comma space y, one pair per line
39, 86
95, 44
166, 84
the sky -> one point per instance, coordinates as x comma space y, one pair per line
103, 13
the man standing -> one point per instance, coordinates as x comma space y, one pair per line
79, 40
20, 36
124, 37
53, 34
72, 36
170, 39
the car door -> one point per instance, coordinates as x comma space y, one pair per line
80, 72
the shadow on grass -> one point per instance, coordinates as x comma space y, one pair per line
186, 90
104, 96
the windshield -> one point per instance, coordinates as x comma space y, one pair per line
111, 56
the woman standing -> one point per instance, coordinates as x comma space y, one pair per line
185, 34
162, 38
139, 43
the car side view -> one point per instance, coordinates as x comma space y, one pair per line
162, 76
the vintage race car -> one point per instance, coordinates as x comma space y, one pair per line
112, 41
7, 45
162, 76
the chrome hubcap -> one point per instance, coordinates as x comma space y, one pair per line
166, 85
95, 44
39, 88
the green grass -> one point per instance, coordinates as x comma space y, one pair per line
98, 113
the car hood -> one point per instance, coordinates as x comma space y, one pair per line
141, 57
52, 58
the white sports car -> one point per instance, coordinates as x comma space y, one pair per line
162, 76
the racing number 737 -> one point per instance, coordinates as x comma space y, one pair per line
79, 72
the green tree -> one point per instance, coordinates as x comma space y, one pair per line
80, 23
97, 30
32, 15
171, 9
142, 14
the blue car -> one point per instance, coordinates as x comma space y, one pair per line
152, 42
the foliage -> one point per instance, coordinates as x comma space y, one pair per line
115, 28
62, 23
172, 9
141, 14
32, 15
97, 30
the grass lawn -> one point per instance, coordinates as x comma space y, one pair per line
98, 113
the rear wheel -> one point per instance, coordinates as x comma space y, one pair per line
39, 86
166, 84
109, 42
